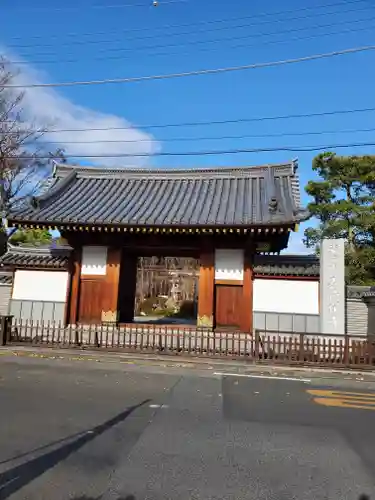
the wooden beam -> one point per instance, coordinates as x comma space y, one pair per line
229, 282
206, 289
247, 295
75, 278
184, 245
110, 291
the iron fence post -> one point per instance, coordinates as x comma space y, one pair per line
346, 350
301, 353
3, 338
257, 340
5, 329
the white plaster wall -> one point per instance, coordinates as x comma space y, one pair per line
229, 264
94, 260
286, 296
48, 286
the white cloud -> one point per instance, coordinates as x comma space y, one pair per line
48, 108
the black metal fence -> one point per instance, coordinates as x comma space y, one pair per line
269, 347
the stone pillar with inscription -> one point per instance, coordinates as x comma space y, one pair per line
332, 287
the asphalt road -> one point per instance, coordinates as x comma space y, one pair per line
83, 430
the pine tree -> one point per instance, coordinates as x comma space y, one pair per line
344, 205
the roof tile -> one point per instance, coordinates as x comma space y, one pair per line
214, 197
41, 257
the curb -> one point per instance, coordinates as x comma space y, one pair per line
176, 361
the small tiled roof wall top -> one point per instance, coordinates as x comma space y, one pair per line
287, 265
250, 196
45, 257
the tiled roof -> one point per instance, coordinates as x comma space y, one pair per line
6, 278
41, 257
286, 265
356, 291
264, 195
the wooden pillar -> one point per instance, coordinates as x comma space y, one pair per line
110, 296
206, 289
127, 288
71, 316
247, 294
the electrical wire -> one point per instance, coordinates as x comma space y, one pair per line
205, 153
214, 71
199, 49
202, 123
109, 6
212, 138
194, 43
163, 27
195, 31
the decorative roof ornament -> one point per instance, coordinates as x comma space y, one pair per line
295, 164
273, 205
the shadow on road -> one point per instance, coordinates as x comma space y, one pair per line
16, 478
43, 447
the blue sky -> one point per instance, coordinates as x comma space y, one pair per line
56, 31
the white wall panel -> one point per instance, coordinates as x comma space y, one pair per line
94, 260
48, 286
229, 264
286, 296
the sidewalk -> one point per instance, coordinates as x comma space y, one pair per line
166, 361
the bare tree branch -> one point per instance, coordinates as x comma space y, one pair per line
19, 137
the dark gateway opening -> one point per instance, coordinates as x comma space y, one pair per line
167, 288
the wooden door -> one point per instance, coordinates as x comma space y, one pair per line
228, 305
90, 301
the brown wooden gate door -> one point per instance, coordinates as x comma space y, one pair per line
228, 305
90, 301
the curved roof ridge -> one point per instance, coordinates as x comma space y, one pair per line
63, 171
54, 191
84, 195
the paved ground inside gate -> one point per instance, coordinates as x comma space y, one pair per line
89, 430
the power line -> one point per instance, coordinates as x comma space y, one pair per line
109, 6
214, 71
206, 153
203, 22
199, 49
195, 31
215, 138
203, 123
133, 50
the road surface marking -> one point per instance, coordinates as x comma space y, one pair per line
344, 399
267, 377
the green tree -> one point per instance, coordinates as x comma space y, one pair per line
31, 237
344, 206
